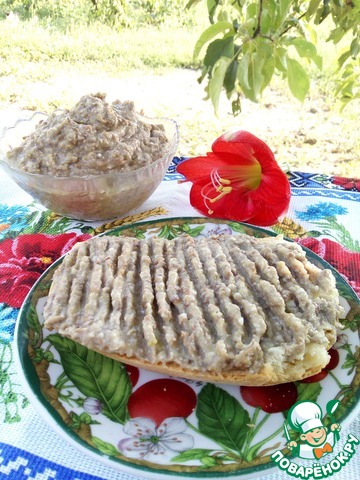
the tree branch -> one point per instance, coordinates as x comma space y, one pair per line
291, 26
258, 27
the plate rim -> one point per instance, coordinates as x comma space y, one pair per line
41, 404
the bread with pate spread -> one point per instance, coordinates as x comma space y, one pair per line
228, 308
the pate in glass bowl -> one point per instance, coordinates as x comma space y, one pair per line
95, 161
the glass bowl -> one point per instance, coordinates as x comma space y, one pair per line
89, 197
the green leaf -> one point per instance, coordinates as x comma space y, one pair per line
230, 78
236, 105
343, 57
354, 322
351, 361
313, 6
283, 7
250, 74
307, 49
251, 10
216, 81
267, 71
308, 391
223, 15
267, 63
193, 454
222, 418
322, 13
195, 232
105, 447
336, 35
256, 78
34, 324
314, 233
191, 3
243, 72
95, 376
210, 33
165, 232
298, 79
237, 227
309, 32
266, 22
209, 461
345, 292
221, 47
355, 47
85, 418
212, 6
280, 59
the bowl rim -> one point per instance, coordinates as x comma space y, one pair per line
172, 146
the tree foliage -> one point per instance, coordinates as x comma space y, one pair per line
115, 13
248, 42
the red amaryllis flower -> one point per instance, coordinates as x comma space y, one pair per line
239, 180
25, 258
345, 261
347, 183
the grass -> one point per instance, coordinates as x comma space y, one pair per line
33, 54
92, 47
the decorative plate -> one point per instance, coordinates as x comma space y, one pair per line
151, 425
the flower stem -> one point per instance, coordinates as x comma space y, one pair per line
252, 432
254, 449
61, 381
340, 385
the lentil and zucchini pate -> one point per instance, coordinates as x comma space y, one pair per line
228, 308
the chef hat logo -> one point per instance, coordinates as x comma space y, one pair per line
305, 416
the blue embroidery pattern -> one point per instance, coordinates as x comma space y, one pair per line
171, 173
15, 216
315, 184
8, 317
313, 180
22, 465
321, 210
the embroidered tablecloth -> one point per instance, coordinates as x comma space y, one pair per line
323, 215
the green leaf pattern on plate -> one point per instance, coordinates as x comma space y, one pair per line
95, 376
222, 418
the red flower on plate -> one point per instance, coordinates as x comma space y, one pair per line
347, 183
25, 258
239, 180
346, 262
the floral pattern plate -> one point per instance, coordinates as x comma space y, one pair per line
151, 425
